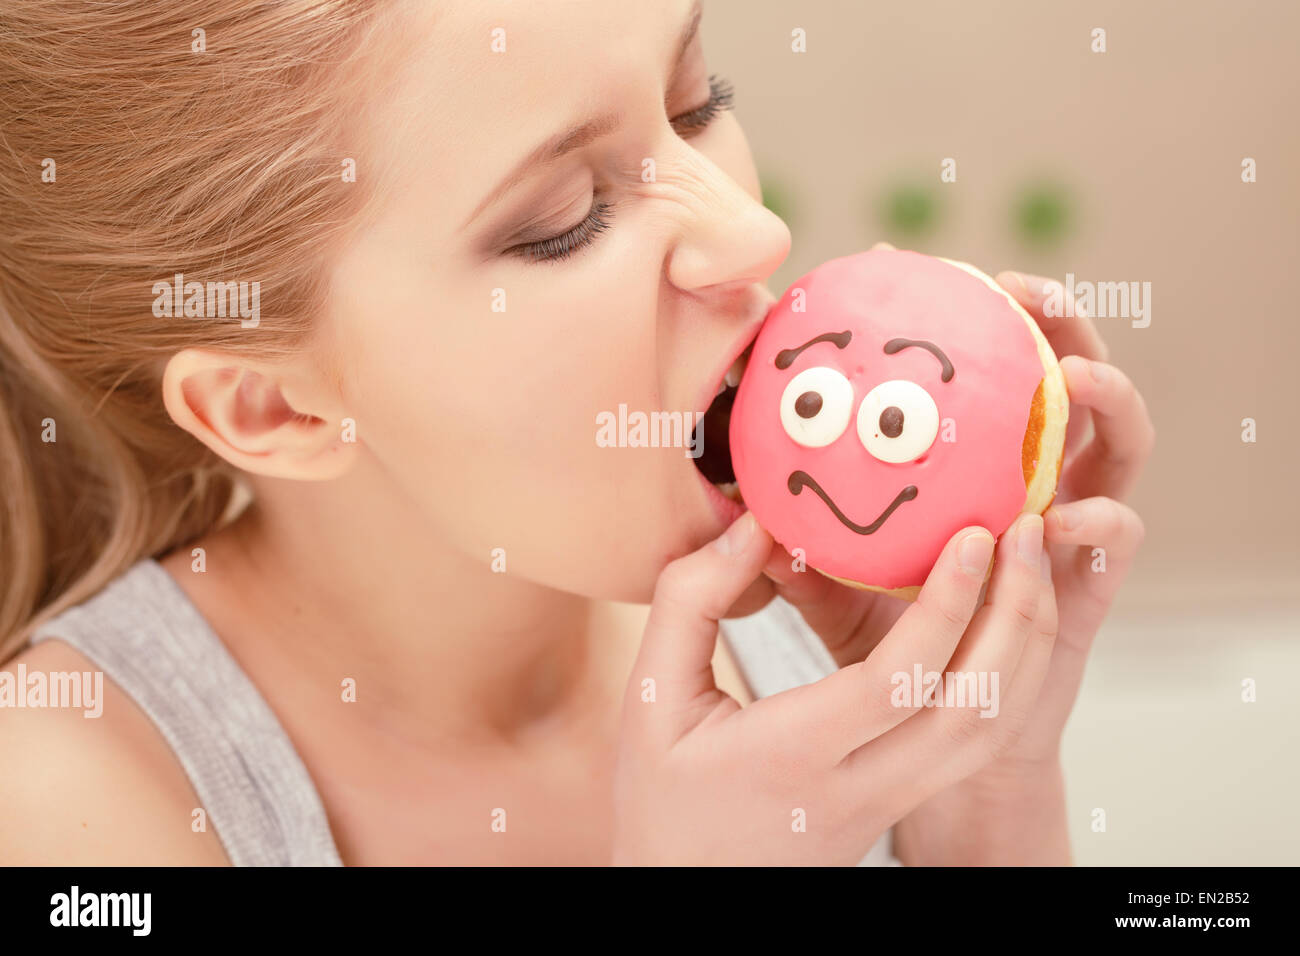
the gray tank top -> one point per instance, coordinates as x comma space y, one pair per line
147, 637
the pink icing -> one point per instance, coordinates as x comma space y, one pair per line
970, 475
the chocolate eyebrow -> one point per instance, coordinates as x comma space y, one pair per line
785, 358
897, 345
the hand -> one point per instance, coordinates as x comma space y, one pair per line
1108, 442
1107, 445
1013, 811
701, 780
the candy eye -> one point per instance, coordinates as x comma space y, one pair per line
898, 421
816, 406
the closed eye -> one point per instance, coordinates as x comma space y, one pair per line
565, 244
721, 97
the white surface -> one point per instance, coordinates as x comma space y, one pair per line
1160, 739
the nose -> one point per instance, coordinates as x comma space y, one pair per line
731, 239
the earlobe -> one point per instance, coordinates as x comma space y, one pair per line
240, 410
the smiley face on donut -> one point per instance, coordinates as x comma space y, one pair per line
890, 400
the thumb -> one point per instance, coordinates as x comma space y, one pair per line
672, 685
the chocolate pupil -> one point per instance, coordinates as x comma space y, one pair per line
891, 421
808, 404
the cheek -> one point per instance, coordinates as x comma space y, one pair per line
488, 420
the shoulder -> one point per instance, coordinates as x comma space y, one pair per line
90, 790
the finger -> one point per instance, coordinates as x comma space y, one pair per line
833, 610
1023, 540
839, 713
944, 739
672, 685
1107, 535
1012, 696
1059, 673
1028, 691
753, 599
1068, 330
1094, 542
795, 581
1098, 521
1123, 433
1078, 431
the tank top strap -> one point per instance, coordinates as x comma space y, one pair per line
148, 638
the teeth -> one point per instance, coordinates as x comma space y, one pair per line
737, 370
730, 490
722, 387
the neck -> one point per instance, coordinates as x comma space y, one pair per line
319, 589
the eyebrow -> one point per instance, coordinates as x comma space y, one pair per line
785, 358
897, 345
553, 148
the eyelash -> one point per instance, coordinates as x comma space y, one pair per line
721, 96
564, 245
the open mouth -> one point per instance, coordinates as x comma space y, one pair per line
713, 433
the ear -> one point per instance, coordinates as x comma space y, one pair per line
274, 421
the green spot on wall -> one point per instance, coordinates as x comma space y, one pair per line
777, 198
1042, 214
908, 210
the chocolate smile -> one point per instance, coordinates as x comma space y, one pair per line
801, 479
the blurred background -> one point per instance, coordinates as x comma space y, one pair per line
1116, 166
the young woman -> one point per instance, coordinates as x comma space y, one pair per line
426, 639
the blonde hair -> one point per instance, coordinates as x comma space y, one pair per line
223, 164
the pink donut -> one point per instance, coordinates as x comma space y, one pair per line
890, 400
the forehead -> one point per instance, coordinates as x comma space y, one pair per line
470, 87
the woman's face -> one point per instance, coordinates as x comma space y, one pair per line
480, 371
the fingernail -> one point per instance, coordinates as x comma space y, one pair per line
1029, 539
1045, 566
1011, 274
1099, 371
1037, 285
975, 552
735, 538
